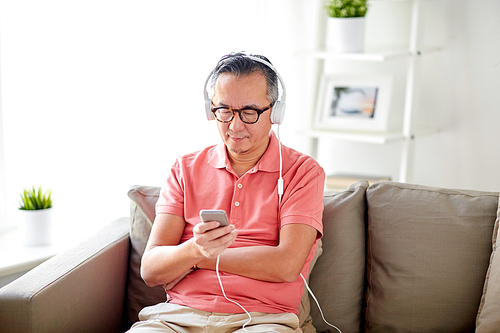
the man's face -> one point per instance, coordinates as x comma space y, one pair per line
237, 93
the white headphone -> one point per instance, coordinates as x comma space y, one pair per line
278, 110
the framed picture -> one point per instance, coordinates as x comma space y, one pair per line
354, 103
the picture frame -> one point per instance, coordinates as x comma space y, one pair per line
354, 103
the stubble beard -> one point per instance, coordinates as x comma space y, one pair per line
238, 152
235, 150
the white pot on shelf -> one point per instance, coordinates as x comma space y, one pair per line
36, 226
345, 35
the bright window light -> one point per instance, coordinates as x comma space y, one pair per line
88, 90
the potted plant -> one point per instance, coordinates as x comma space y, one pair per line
36, 216
346, 25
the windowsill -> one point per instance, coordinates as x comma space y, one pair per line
16, 258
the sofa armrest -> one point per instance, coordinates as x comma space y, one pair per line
79, 290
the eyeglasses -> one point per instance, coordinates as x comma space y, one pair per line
247, 115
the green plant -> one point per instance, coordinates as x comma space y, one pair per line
346, 8
33, 200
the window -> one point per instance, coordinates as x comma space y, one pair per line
88, 85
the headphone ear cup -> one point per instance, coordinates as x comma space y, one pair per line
208, 110
278, 112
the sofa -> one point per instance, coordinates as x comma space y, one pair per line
394, 258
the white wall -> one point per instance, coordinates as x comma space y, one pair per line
466, 154
89, 89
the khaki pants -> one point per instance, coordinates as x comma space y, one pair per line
166, 317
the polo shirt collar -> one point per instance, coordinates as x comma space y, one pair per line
268, 162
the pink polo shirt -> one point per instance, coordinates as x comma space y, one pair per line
205, 180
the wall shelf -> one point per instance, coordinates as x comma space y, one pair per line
372, 53
362, 137
376, 54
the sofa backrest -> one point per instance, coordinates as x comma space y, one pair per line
395, 258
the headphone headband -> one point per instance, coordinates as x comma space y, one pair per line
278, 110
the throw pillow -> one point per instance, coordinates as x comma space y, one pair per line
338, 277
428, 253
488, 318
142, 214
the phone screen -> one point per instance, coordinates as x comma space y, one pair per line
214, 215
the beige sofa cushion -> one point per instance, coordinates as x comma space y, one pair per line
139, 295
337, 278
488, 318
427, 257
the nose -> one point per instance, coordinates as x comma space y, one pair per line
236, 124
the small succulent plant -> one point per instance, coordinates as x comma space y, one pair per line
346, 8
35, 200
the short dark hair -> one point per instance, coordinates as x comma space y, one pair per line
241, 64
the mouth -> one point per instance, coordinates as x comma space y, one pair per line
235, 137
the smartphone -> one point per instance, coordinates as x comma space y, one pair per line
214, 215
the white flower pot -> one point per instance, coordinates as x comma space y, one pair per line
345, 35
36, 226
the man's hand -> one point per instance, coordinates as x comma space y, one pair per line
166, 258
211, 240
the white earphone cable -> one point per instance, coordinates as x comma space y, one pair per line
317, 303
230, 300
280, 179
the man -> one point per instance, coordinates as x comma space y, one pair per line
271, 238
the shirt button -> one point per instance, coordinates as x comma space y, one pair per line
240, 185
236, 203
